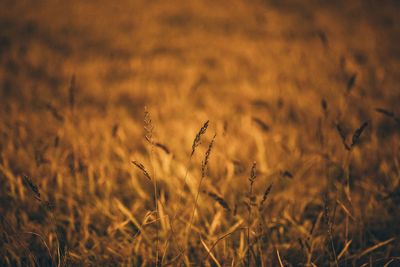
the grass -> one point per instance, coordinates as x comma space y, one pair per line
250, 134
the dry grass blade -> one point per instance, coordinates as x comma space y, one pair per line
279, 258
219, 200
32, 186
357, 134
197, 139
345, 248
209, 252
142, 168
370, 249
130, 216
346, 210
236, 228
389, 262
42, 239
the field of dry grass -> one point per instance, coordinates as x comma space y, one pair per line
199, 133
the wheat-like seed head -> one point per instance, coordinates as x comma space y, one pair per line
207, 156
266, 193
142, 168
253, 173
148, 126
357, 134
32, 186
219, 200
196, 140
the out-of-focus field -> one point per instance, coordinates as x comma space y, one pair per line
275, 79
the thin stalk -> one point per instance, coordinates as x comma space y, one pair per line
196, 142
203, 175
252, 178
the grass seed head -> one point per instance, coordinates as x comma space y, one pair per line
197, 139
253, 173
357, 134
32, 186
266, 193
142, 168
148, 126
219, 200
206, 157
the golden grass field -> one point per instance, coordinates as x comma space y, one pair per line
106, 158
